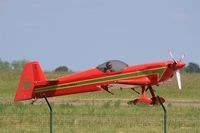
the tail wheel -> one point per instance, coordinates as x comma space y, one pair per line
155, 100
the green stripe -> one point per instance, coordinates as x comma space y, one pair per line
158, 71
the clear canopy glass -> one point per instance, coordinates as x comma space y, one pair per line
112, 66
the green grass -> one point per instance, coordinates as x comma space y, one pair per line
107, 118
21, 118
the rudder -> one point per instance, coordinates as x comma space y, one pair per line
32, 73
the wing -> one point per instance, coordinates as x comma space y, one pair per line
139, 81
129, 83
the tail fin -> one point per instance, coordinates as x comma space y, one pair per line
32, 72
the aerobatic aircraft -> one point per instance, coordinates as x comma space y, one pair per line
33, 83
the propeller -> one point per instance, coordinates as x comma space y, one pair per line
170, 53
182, 57
178, 75
172, 56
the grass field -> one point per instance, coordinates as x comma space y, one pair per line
106, 118
21, 118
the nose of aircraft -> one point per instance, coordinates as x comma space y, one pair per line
179, 65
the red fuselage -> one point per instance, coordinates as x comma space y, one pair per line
92, 79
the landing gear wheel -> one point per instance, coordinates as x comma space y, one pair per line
156, 101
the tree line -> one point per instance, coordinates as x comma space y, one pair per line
191, 68
14, 65
18, 66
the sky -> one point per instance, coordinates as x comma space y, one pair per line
82, 34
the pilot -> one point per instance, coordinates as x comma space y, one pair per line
108, 68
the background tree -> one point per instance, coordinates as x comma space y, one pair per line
4, 64
18, 65
62, 69
192, 68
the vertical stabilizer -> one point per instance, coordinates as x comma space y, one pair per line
32, 73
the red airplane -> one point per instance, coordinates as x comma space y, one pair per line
33, 83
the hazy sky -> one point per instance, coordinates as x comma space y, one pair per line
84, 33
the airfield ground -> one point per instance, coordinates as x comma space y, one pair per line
99, 112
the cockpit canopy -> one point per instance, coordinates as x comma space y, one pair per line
112, 66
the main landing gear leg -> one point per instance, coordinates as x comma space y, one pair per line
143, 98
155, 99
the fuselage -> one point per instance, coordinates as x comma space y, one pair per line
91, 79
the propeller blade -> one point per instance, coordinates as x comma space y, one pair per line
170, 53
182, 57
178, 76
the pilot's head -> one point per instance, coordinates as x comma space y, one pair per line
108, 65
